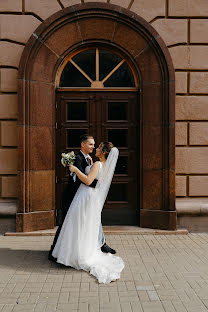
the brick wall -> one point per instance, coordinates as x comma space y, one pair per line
182, 24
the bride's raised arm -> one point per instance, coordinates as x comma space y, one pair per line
86, 179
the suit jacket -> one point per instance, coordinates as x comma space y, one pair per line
72, 186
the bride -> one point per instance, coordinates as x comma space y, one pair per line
78, 242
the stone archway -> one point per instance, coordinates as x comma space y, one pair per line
55, 38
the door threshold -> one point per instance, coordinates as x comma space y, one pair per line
108, 230
127, 229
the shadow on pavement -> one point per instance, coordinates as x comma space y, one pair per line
28, 260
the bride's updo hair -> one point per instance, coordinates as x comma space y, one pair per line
106, 148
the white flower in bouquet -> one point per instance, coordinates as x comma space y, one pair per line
67, 159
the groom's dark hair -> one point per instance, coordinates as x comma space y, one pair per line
85, 137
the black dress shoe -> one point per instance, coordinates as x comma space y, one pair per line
106, 248
50, 257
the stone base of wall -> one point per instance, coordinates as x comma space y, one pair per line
8, 209
192, 214
197, 224
7, 224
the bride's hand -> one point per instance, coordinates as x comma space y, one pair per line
72, 168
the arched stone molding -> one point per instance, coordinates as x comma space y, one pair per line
55, 38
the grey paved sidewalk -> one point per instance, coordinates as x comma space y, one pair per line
163, 273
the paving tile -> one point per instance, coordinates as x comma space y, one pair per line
63, 297
136, 307
152, 307
33, 298
126, 307
153, 295
113, 297
24, 308
168, 306
116, 307
143, 295
40, 307
145, 287
93, 307
7, 308
62, 307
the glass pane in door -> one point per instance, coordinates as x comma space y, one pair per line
122, 77
72, 77
118, 137
86, 61
76, 111
108, 61
122, 165
118, 192
117, 111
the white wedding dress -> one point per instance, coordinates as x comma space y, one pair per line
78, 244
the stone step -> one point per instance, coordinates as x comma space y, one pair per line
111, 230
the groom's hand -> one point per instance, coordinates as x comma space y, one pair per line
90, 158
78, 164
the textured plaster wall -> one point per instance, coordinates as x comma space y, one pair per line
183, 26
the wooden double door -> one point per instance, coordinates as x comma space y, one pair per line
107, 116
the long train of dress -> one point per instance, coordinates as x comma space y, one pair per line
77, 245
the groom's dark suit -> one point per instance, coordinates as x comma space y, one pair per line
70, 191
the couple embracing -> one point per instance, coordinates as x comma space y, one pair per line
79, 241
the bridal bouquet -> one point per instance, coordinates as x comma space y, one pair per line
67, 159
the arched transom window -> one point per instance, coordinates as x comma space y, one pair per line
96, 68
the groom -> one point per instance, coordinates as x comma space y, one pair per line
81, 162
